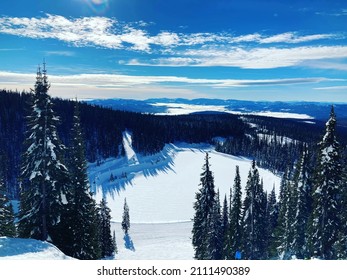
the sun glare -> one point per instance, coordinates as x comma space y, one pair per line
98, 6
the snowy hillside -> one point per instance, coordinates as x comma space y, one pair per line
22, 249
160, 191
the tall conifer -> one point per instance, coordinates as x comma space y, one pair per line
44, 177
327, 194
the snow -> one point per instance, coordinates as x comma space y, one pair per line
21, 249
160, 191
182, 109
161, 188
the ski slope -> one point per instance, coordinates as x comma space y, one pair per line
160, 191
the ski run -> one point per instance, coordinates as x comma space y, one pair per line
160, 191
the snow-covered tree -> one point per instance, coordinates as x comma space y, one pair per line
327, 194
235, 226
272, 217
203, 206
7, 227
225, 227
126, 218
284, 231
254, 217
215, 235
108, 245
82, 219
303, 190
44, 177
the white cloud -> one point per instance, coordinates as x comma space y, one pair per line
110, 33
253, 58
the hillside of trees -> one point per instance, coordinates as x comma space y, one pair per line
252, 136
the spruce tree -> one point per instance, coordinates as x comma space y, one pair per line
108, 245
215, 234
225, 227
254, 217
327, 193
44, 177
82, 217
7, 226
272, 217
126, 218
302, 207
203, 206
284, 231
235, 226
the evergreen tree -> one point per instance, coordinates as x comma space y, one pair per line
272, 216
302, 207
254, 217
235, 227
108, 245
126, 218
284, 231
327, 194
43, 176
215, 235
7, 226
225, 227
203, 206
82, 218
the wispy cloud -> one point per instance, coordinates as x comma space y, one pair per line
121, 81
253, 58
59, 53
112, 34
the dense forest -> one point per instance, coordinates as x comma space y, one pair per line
274, 143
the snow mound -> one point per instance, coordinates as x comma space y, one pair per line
21, 249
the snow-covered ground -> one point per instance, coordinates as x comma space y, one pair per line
22, 249
160, 191
182, 109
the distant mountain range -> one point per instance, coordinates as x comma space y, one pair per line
298, 110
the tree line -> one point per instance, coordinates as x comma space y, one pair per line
307, 219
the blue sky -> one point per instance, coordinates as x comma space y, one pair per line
250, 50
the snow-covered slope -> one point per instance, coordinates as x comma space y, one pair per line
161, 188
22, 249
160, 192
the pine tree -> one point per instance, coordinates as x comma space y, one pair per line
284, 231
126, 218
254, 217
7, 226
327, 194
235, 227
108, 245
215, 235
272, 216
43, 175
225, 227
82, 218
203, 206
302, 207
115, 242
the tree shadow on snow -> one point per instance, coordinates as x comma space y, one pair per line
128, 243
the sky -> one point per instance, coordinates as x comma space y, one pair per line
137, 49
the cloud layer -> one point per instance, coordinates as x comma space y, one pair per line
256, 51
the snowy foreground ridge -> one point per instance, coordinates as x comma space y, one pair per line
160, 191
22, 249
